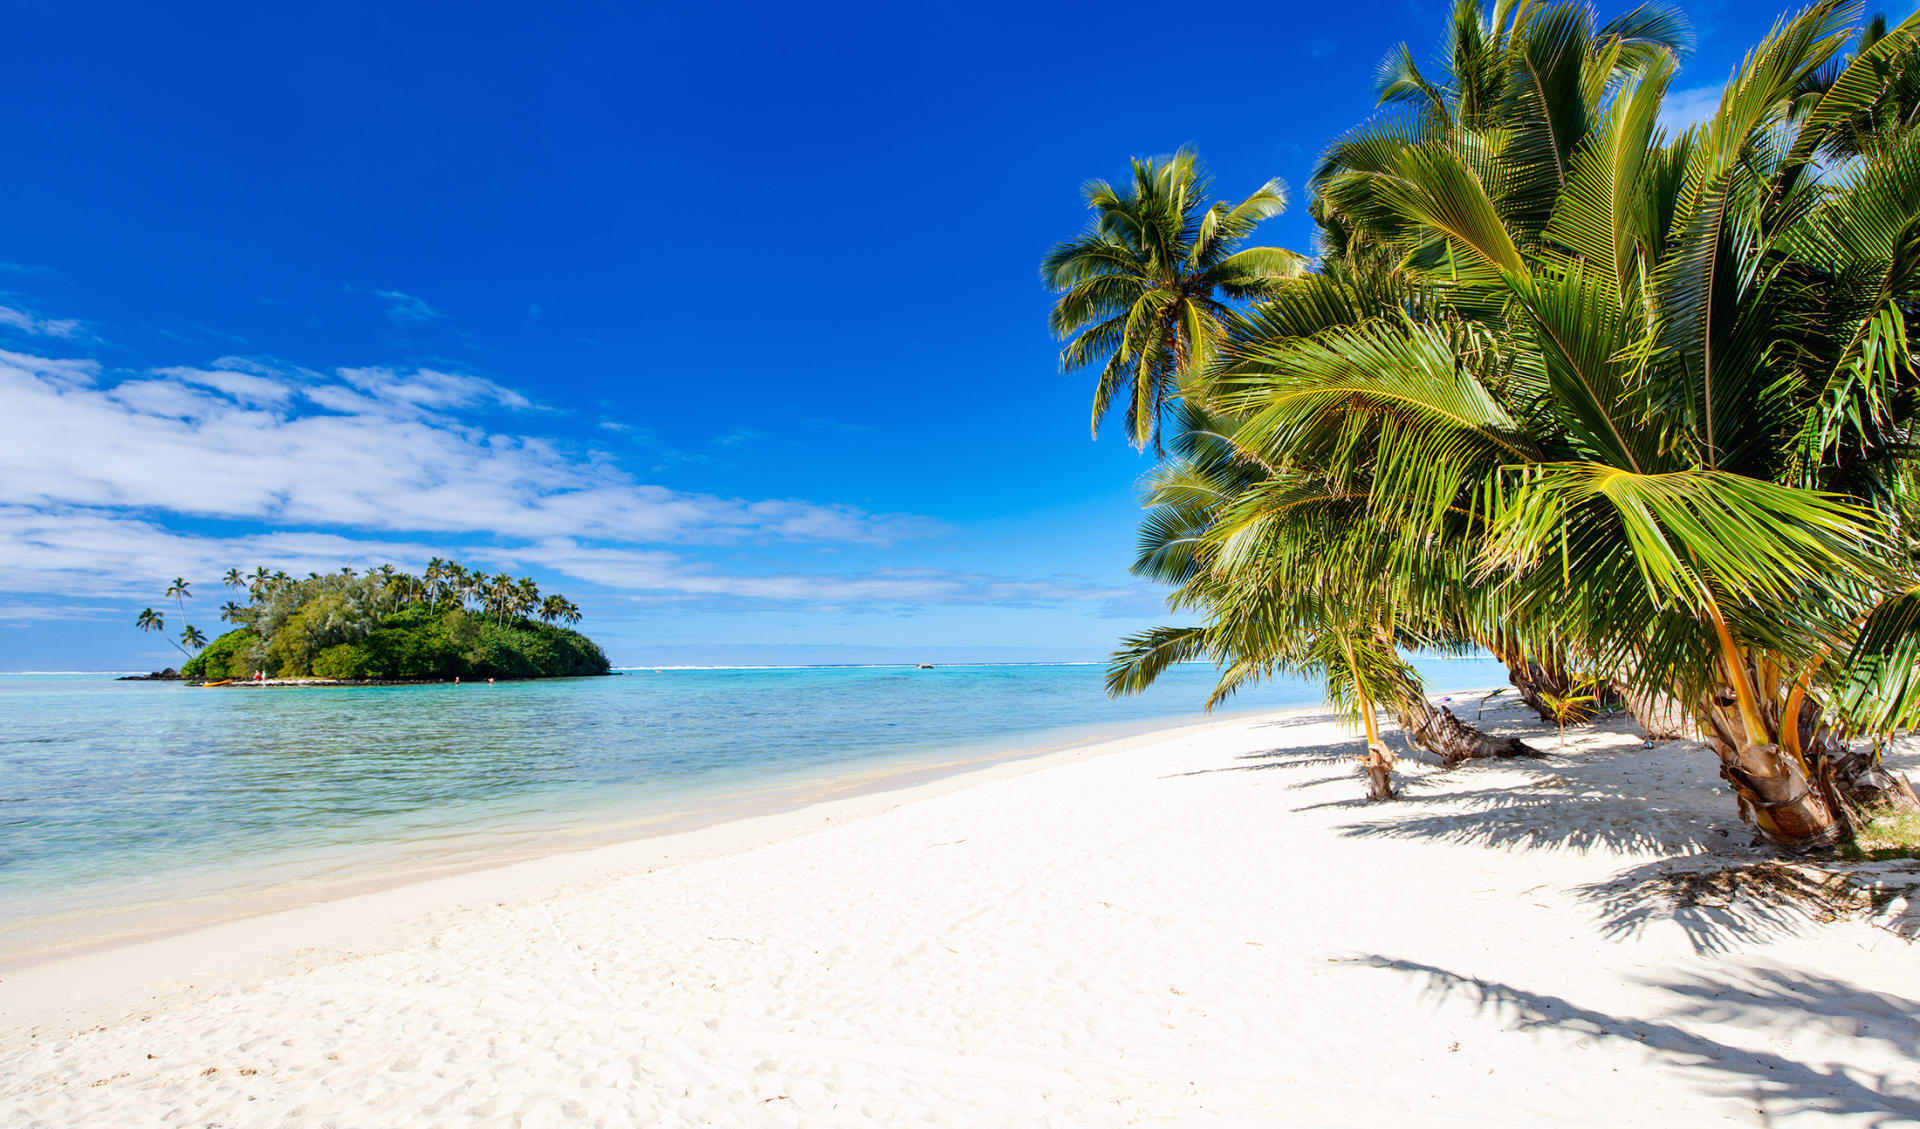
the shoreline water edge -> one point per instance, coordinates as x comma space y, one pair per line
223, 804
1182, 926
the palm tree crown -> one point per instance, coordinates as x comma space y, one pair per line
1139, 293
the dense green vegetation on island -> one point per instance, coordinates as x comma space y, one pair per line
450, 622
1630, 408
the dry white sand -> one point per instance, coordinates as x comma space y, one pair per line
1200, 929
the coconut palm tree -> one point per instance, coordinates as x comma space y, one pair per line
231, 612
234, 579
1140, 294
1672, 412
1522, 84
1880, 120
150, 620
178, 592
501, 595
474, 585
1293, 576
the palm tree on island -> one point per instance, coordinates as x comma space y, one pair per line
555, 608
384, 623
190, 637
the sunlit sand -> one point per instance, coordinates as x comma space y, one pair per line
1199, 927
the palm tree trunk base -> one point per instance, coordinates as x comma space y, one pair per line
1378, 766
1788, 810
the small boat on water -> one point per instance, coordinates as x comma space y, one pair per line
926, 666
227, 682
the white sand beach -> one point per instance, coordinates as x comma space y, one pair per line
1204, 927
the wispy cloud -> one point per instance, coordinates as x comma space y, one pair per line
431, 389
1683, 108
661, 572
100, 553
110, 479
403, 308
18, 612
373, 449
28, 322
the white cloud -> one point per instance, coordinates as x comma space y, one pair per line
19, 612
361, 451
94, 553
1683, 108
65, 328
100, 554
103, 477
427, 388
405, 309
241, 385
653, 571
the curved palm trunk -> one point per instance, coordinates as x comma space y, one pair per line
1435, 729
1378, 760
1534, 676
1530, 680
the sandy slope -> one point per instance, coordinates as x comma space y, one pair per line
1204, 930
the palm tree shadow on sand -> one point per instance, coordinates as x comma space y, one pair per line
1722, 907
1505, 720
1710, 883
1588, 798
1292, 756
1760, 1000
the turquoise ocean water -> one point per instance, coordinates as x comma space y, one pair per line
117, 793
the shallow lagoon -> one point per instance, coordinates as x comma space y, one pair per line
113, 793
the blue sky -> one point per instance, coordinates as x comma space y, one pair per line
723, 320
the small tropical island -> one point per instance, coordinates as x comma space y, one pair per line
383, 626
